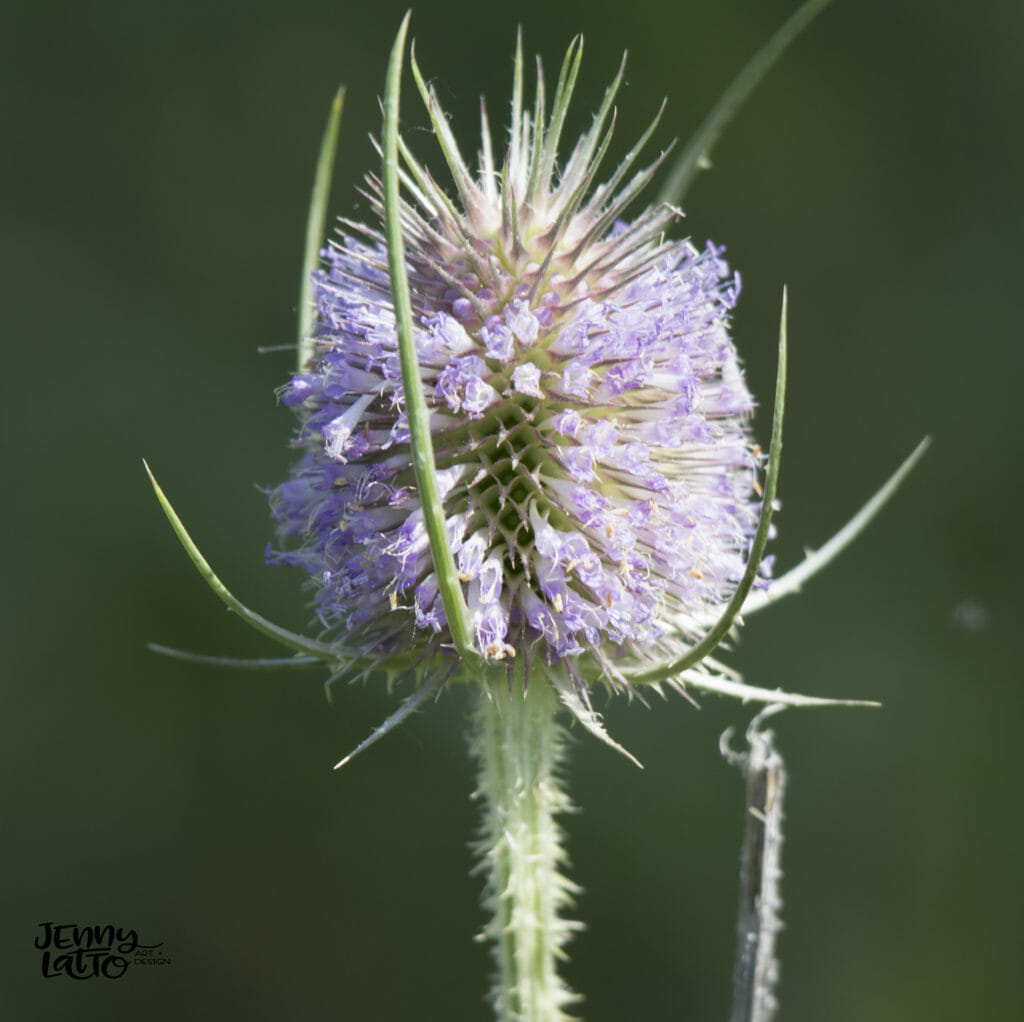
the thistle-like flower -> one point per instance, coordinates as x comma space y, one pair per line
526, 439
589, 415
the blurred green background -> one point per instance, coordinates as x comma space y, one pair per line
156, 162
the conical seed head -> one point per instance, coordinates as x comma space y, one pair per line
588, 412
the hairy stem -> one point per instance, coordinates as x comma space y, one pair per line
518, 746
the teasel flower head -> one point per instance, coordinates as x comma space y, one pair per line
525, 443
587, 407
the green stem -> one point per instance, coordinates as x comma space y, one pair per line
518, 745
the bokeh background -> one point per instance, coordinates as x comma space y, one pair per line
156, 162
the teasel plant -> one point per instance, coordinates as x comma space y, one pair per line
525, 465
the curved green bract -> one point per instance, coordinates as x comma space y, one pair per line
735, 689
721, 628
793, 580
299, 643
315, 222
455, 608
694, 156
410, 705
241, 663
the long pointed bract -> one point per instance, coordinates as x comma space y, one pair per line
794, 579
292, 640
315, 222
695, 155
411, 704
416, 408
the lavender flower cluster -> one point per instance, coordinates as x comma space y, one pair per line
588, 411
